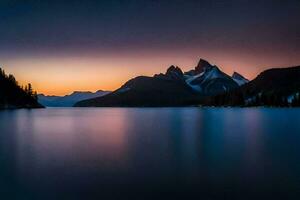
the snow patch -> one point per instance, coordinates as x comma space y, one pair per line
212, 74
240, 81
190, 79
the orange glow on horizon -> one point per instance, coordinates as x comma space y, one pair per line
63, 75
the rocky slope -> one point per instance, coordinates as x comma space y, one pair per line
273, 87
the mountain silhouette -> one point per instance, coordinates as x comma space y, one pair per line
145, 91
273, 87
172, 88
68, 100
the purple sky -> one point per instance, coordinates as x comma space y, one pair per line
88, 45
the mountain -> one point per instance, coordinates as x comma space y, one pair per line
68, 100
174, 73
209, 80
273, 87
239, 79
14, 96
201, 67
173, 88
160, 90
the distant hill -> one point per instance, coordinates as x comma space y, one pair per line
13, 96
68, 100
145, 91
173, 88
273, 87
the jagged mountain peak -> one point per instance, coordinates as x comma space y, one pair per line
272, 87
172, 73
174, 69
208, 79
202, 65
239, 79
237, 75
170, 88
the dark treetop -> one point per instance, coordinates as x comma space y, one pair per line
14, 96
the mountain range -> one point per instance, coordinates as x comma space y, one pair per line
204, 85
68, 100
273, 87
172, 88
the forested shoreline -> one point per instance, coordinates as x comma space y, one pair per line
12, 95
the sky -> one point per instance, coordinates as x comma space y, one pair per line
80, 45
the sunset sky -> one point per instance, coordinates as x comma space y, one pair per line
64, 46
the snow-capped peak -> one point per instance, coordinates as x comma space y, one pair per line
210, 73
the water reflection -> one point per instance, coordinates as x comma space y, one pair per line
72, 136
83, 151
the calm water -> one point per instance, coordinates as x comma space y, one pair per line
139, 153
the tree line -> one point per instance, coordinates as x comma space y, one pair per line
264, 98
14, 95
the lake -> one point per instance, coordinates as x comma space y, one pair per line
150, 153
